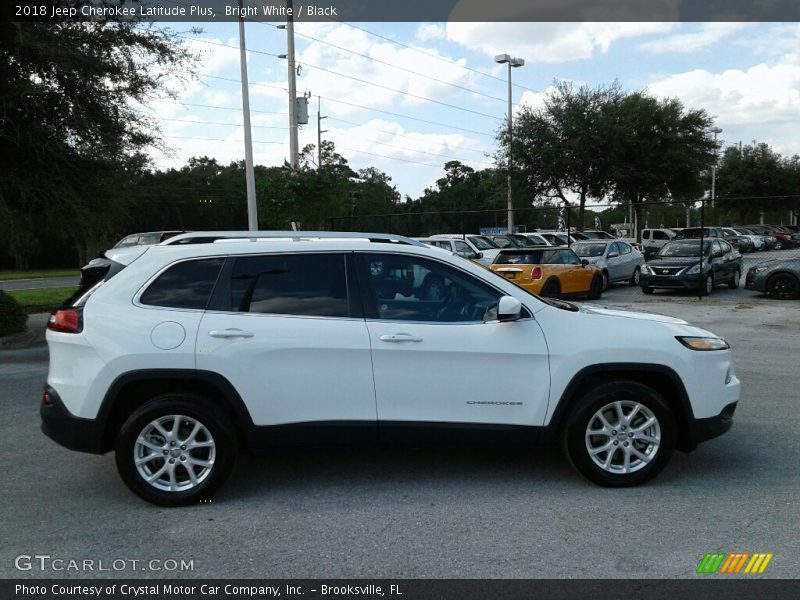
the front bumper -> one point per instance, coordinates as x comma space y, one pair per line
707, 429
671, 282
755, 281
75, 433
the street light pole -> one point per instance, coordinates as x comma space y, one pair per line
512, 63
715, 131
250, 179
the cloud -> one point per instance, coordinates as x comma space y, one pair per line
684, 43
431, 31
548, 42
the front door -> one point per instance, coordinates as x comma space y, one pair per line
438, 358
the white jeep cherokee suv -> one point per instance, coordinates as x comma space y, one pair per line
186, 353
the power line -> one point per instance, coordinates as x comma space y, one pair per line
394, 114
185, 137
461, 147
358, 79
411, 149
217, 123
388, 64
415, 162
265, 112
430, 54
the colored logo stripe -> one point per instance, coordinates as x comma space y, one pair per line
733, 563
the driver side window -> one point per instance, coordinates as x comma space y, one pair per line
411, 288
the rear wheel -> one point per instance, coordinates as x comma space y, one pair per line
636, 277
734, 282
551, 289
620, 434
783, 286
176, 450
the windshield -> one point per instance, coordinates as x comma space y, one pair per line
592, 250
688, 248
482, 243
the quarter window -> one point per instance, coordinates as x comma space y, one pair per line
187, 284
290, 284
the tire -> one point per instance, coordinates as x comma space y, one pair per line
734, 282
605, 280
595, 288
551, 289
707, 286
779, 245
637, 275
650, 434
648, 290
783, 286
200, 421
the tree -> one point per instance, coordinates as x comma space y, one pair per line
561, 149
757, 180
70, 137
659, 150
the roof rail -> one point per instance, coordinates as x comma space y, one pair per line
207, 237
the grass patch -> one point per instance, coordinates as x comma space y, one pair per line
14, 275
44, 300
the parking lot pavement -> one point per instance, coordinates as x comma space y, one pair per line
462, 513
38, 284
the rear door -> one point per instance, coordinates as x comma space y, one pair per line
287, 331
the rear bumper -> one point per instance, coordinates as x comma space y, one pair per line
75, 433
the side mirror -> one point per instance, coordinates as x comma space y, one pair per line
479, 255
584, 262
613, 254
508, 309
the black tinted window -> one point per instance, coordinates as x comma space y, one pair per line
410, 288
186, 285
299, 284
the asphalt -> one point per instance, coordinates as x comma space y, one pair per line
38, 284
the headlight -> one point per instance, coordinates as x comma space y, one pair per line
647, 270
759, 269
694, 270
703, 343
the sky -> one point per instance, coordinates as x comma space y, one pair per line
408, 97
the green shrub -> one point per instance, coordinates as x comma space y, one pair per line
12, 315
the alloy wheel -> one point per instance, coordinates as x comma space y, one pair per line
174, 453
623, 437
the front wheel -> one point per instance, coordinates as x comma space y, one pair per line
620, 434
176, 450
783, 286
734, 282
636, 277
707, 286
595, 288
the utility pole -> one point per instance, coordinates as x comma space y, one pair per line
250, 178
292, 72
320, 131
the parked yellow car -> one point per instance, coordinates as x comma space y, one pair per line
554, 272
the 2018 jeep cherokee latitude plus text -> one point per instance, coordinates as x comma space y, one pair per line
186, 353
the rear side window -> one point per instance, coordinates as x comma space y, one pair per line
299, 284
187, 284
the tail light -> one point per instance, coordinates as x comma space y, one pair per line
66, 320
536, 273
46, 399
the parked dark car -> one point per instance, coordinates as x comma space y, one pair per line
778, 278
678, 266
514, 240
740, 242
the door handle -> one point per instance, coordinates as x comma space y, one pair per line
230, 333
400, 337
